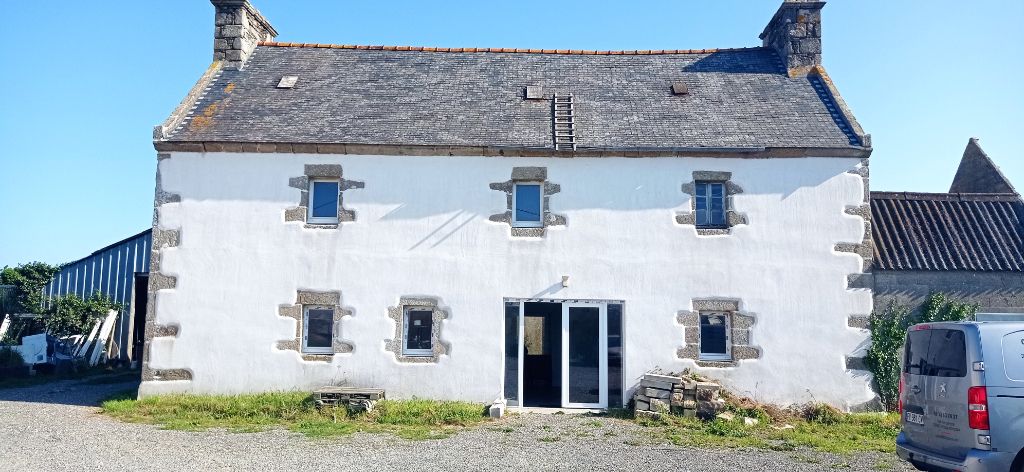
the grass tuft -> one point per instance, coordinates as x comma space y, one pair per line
410, 419
840, 434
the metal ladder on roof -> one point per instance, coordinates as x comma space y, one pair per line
564, 122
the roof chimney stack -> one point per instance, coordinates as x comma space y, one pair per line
795, 34
239, 28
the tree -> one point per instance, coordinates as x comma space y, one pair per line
28, 280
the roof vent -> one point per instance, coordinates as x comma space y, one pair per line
534, 92
288, 81
679, 88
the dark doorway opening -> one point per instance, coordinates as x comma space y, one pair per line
542, 351
141, 297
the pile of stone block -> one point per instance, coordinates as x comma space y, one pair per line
677, 394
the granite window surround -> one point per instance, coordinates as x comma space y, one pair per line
528, 175
315, 299
739, 334
320, 172
732, 217
396, 344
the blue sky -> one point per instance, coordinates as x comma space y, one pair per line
86, 82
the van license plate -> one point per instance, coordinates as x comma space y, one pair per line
915, 418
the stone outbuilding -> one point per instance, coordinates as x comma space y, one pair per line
968, 243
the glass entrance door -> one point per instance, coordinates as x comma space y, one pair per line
584, 355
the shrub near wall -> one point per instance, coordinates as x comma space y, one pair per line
888, 332
69, 315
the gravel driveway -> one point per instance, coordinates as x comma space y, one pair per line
57, 427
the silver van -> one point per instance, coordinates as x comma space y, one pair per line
962, 397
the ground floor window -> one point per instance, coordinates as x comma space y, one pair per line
714, 336
418, 332
318, 330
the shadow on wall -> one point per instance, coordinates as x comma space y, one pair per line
421, 190
1006, 297
590, 187
443, 231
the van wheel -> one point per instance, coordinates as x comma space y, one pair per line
1018, 463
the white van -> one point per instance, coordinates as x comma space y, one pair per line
962, 397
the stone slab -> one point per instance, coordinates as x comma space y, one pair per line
657, 393
661, 378
656, 384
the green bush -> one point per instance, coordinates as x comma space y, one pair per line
69, 315
888, 330
10, 358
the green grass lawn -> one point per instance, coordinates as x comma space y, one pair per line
410, 419
430, 419
848, 433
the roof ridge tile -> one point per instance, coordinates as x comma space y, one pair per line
630, 52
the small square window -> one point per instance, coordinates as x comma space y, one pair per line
714, 336
527, 208
710, 204
419, 328
318, 330
323, 202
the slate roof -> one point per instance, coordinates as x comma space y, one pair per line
738, 99
978, 174
948, 231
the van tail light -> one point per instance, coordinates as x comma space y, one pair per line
977, 407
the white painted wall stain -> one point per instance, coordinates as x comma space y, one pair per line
421, 229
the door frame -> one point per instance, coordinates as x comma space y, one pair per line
602, 356
604, 375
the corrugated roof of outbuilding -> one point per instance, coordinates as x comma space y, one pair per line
947, 231
408, 96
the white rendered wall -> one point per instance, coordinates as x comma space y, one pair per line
422, 229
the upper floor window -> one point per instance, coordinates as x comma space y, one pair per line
323, 199
711, 211
528, 207
318, 330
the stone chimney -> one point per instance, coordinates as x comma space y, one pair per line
239, 28
795, 34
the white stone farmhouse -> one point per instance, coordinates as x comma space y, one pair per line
540, 226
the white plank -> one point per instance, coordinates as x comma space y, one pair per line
4, 325
101, 340
84, 347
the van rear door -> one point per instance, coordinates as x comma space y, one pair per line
948, 383
937, 382
915, 356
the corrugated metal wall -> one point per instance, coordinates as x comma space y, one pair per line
110, 270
